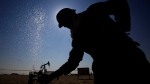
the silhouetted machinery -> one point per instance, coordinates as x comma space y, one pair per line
34, 76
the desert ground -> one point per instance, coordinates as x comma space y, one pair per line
70, 79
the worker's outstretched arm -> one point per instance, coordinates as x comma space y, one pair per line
76, 56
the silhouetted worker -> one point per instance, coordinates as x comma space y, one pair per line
116, 57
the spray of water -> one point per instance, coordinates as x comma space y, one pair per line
36, 21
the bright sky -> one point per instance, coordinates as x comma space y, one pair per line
29, 33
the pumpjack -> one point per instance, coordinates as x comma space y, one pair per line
34, 75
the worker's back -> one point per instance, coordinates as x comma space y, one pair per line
113, 51
97, 30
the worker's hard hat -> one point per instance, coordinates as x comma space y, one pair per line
62, 14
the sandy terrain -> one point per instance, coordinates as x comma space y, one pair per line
23, 79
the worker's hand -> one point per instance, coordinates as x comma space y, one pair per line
44, 79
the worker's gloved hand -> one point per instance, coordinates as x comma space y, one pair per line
44, 79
